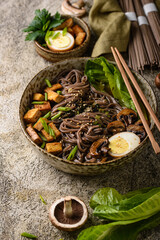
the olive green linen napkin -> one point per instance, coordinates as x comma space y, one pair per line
110, 25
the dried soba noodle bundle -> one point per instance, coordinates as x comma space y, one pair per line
153, 18
138, 57
152, 48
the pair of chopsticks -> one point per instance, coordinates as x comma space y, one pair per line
122, 65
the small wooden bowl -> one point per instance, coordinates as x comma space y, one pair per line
75, 52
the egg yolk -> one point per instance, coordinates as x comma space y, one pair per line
61, 41
118, 145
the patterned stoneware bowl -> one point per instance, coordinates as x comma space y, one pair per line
75, 52
38, 83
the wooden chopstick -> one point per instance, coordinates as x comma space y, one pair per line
141, 94
130, 90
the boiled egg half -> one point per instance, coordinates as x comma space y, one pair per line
59, 42
122, 143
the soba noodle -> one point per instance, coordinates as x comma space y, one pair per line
90, 112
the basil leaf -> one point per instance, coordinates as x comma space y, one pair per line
28, 235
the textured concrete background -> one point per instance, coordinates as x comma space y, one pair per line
24, 173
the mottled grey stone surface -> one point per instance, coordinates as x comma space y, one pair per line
24, 173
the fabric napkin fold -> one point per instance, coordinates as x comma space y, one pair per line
110, 25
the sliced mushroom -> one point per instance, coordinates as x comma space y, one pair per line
127, 116
138, 130
68, 214
99, 147
116, 127
70, 9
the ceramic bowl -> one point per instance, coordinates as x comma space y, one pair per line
75, 52
37, 84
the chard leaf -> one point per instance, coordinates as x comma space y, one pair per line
119, 230
144, 210
105, 196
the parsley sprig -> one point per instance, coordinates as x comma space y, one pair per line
42, 22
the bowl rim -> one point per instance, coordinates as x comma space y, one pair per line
88, 33
110, 162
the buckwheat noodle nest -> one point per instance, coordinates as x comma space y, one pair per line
91, 111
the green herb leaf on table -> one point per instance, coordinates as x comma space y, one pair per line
28, 235
42, 199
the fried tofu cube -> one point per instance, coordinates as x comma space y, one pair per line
32, 115
54, 87
80, 38
68, 23
38, 97
77, 29
38, 125
47, 136
55, 147
34, 136
53, 96
45, 107
56, 131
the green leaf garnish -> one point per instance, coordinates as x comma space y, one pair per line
72, 153
59, 92
56, 116
38, 102
42, 137
46, 96
45, 126
28, 235
48, 82
42, 22
43, 201
47, 115
51, 132
56, 35
64, 31
64, 109
43, 145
